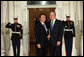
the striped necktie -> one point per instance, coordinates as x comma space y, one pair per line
51, 25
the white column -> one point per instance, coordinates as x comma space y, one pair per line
81, 47
5, 16
72, 10
66, 10
2, 38
81, 27
25, 33
58, 10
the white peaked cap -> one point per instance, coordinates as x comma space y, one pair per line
67, 14
15, 17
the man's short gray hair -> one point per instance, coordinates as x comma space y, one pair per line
53, 12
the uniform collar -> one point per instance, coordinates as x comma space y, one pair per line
67, 20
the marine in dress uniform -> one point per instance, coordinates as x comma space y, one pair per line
69, 33
17, 33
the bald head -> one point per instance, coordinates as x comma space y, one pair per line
52, 15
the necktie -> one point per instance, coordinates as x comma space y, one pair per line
45, 27
51, 25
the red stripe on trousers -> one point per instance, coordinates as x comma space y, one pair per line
19, 52
66, 52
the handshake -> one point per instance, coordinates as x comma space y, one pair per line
48, 37
58, 42
21, 36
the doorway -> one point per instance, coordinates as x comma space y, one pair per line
33, 17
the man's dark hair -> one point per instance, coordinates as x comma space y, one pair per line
41, 15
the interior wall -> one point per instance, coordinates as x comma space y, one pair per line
5, 32
9, 9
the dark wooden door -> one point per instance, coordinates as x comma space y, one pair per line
33, 15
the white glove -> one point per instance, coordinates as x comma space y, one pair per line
74, 39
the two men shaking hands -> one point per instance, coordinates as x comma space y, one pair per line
51, 31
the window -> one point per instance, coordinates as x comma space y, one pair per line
41, 2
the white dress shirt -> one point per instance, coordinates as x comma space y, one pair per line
53, 21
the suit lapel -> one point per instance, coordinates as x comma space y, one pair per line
42, 27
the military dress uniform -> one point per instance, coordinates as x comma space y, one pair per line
69, 33
17, 32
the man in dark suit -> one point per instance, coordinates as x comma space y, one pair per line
41, 35
55, 35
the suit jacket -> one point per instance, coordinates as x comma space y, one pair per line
40, 35
56, 33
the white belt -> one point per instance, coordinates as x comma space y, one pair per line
68, 29
16, 32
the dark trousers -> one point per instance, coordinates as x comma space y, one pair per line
16, 45
58, 50
68, 46
41, 51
